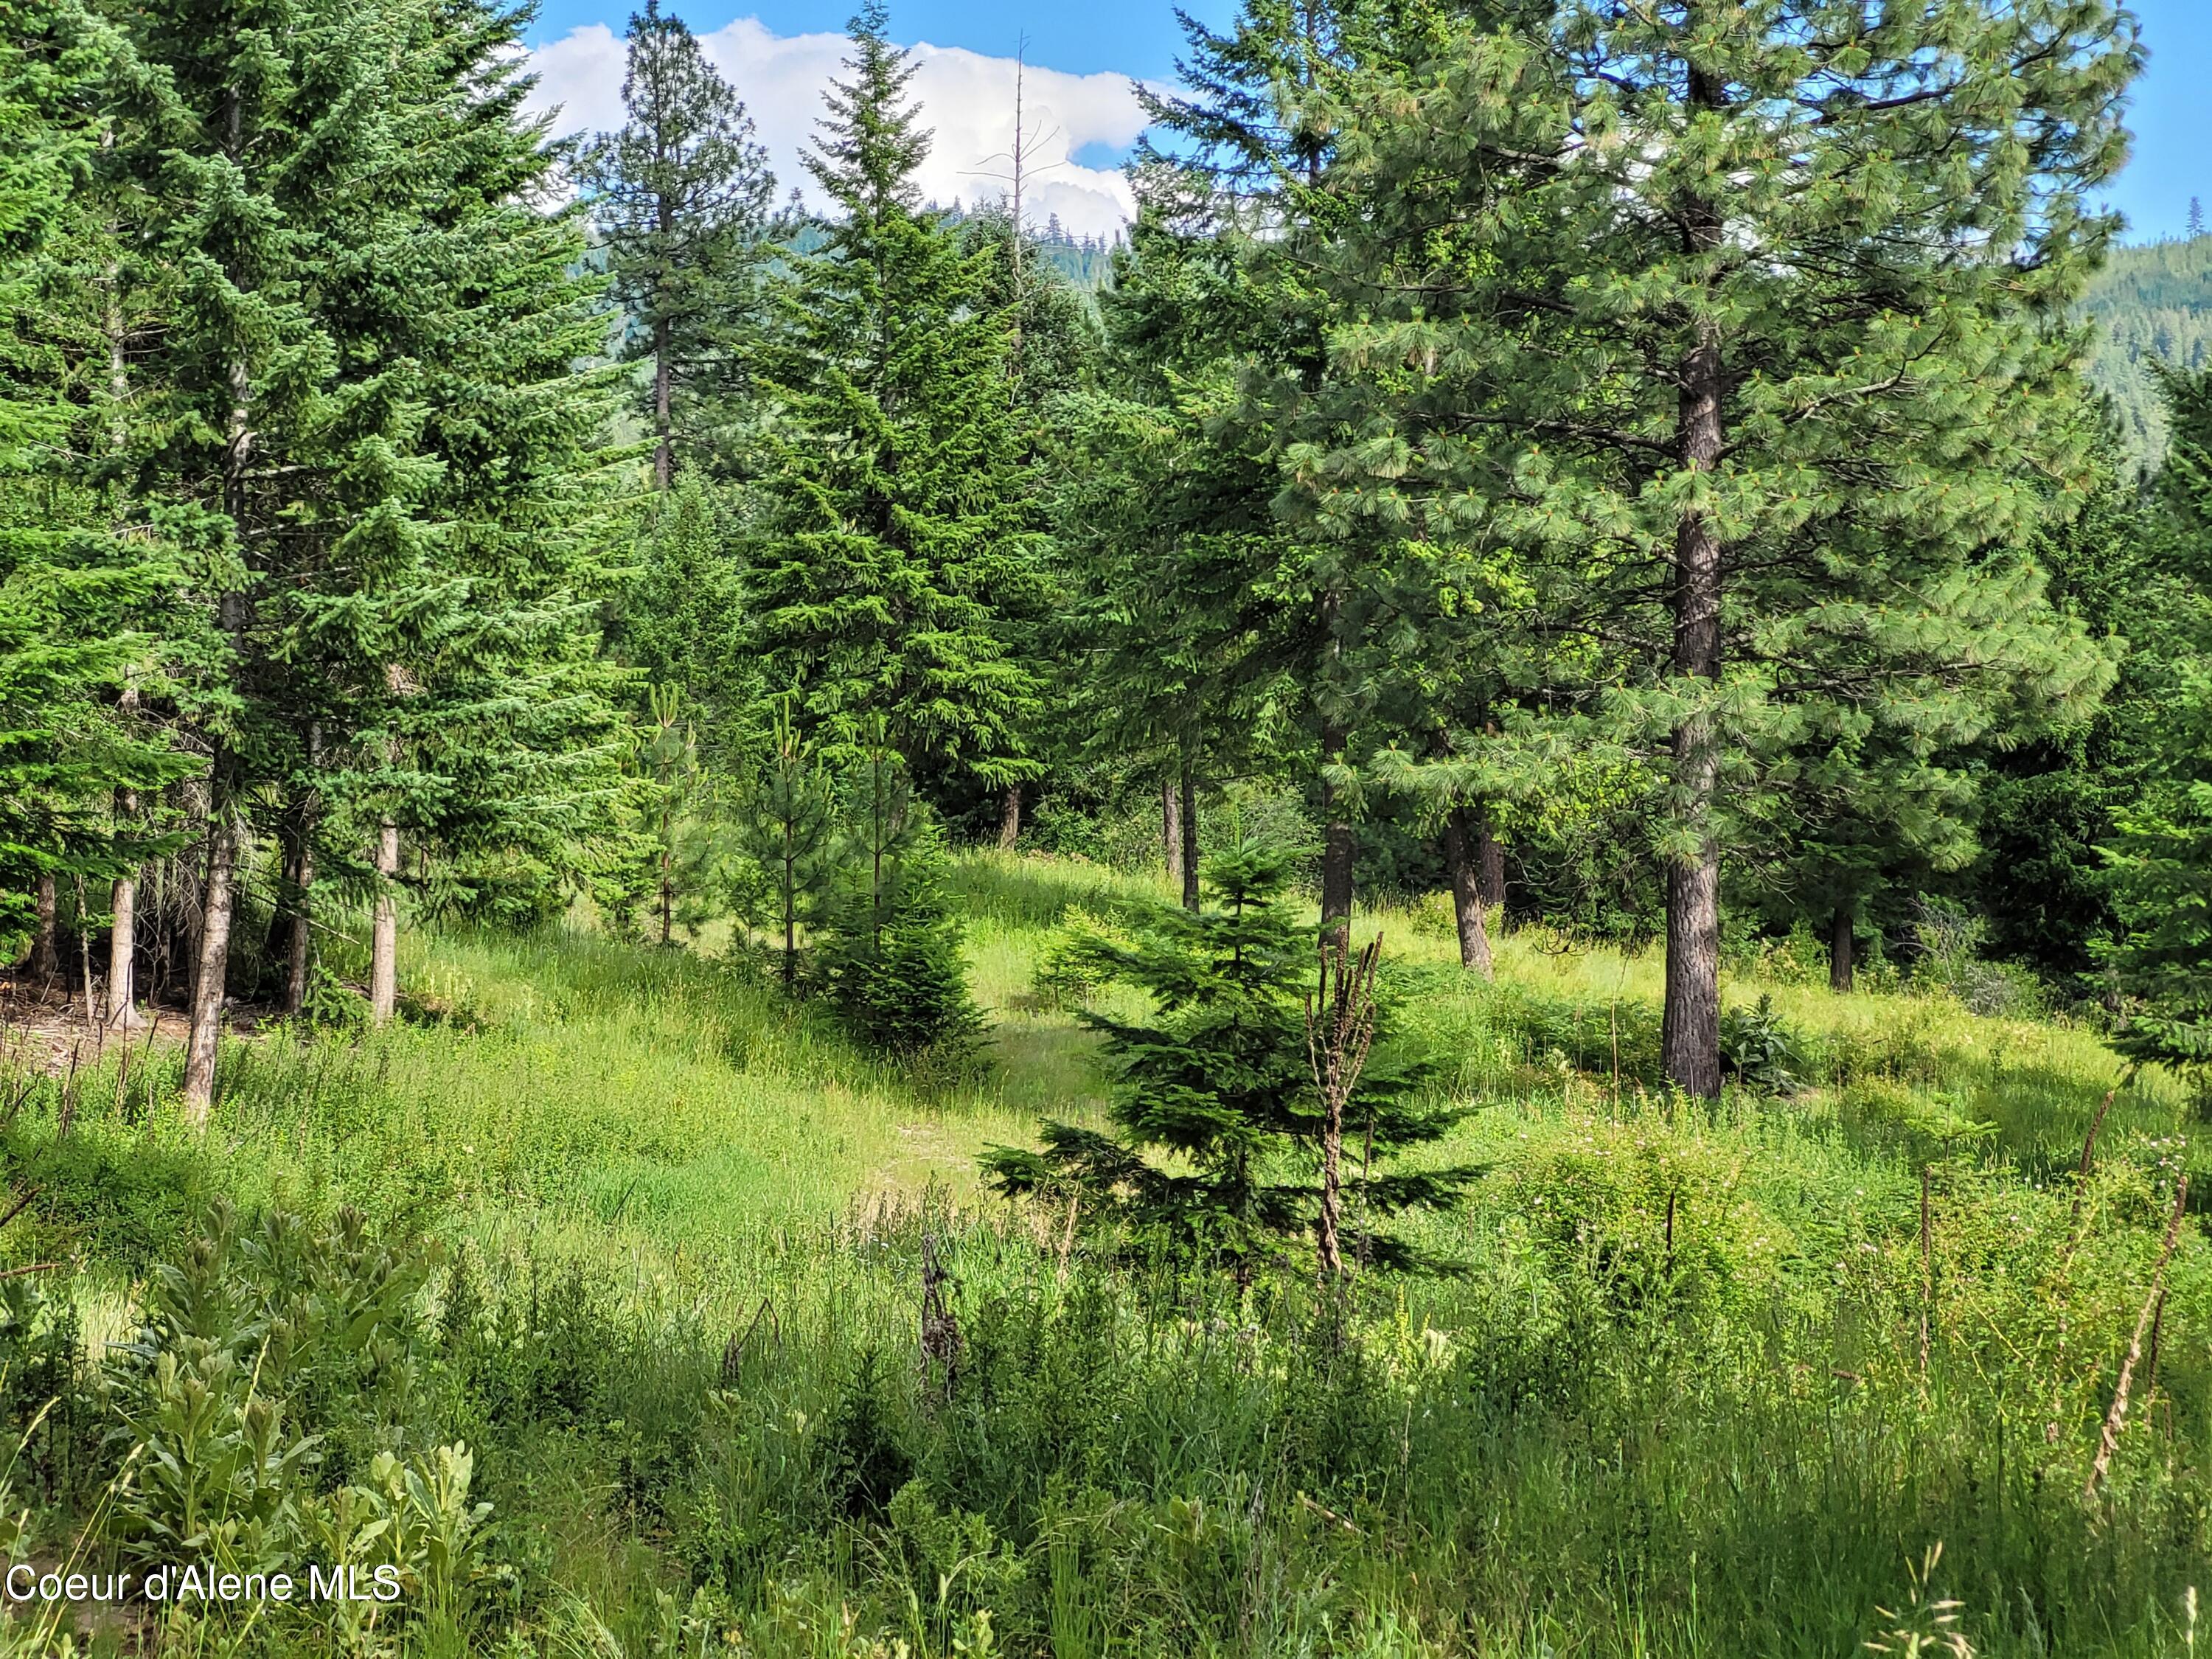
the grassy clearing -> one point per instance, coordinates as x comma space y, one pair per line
653, 1240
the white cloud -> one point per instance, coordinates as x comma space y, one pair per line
967, 100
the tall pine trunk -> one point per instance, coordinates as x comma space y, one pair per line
1187, 828
45, 940
1491, 868
298, 950
1842, 970
1689, 1036
122, 951
122, 1011
211, 969
1337, 847
1462, 832
218, 899
384, 934
1171, 828
1010, 818
663, 419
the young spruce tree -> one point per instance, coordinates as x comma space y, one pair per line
898, 536
1217, 1124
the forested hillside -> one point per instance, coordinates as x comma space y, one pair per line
2151, 304
1462, 906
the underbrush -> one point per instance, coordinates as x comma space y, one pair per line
1603, 1441
622, 1245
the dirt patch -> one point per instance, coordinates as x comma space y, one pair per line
43, 1030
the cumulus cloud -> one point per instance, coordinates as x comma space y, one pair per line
967, 98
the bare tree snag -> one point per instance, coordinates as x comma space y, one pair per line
383, 936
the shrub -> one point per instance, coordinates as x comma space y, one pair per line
1216, 1115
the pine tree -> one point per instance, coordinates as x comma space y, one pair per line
80, 593
1215, 1115
375, 444
682, 196
2160, 855
1053, 349
897, 532
1759, 347
683, 619
787, 825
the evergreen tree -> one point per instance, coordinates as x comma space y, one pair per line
682, 618
1214, 1107
1053, 347
682, 196
2160, 855
1761, 346
373, 443
787, 825
77, 599
897, 533
2162, 859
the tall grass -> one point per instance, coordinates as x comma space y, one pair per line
1673, 1401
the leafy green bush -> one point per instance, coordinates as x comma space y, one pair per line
1760, 1049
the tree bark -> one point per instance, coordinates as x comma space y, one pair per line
1841, 964
663, 420
1690, 1028
123, 1013
1010, 818
211, 971
384, 936
1467, 902
298, 950
1171, 828
1186, 831
1491, 871
1337, 848
46, 941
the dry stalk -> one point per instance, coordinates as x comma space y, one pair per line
1068, 1236
940, 1328
733, 1353
2116, 1418
1339, 1030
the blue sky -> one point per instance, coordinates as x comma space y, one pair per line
2172, 118
2172, 114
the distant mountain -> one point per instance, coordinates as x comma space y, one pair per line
2152, 302
1086, 261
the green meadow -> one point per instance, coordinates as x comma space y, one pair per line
652, 1243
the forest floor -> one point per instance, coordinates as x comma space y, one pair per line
1703, 1381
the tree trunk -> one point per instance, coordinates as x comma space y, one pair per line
1492, 868
384, 936
210, 973
46, 942
1690, 1028
1468, 903
300, 875
300, 948
663, 424
1841, 964
1171, 828
123, 933
1337, 848
1186, 831
123, 1013
1010, 818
